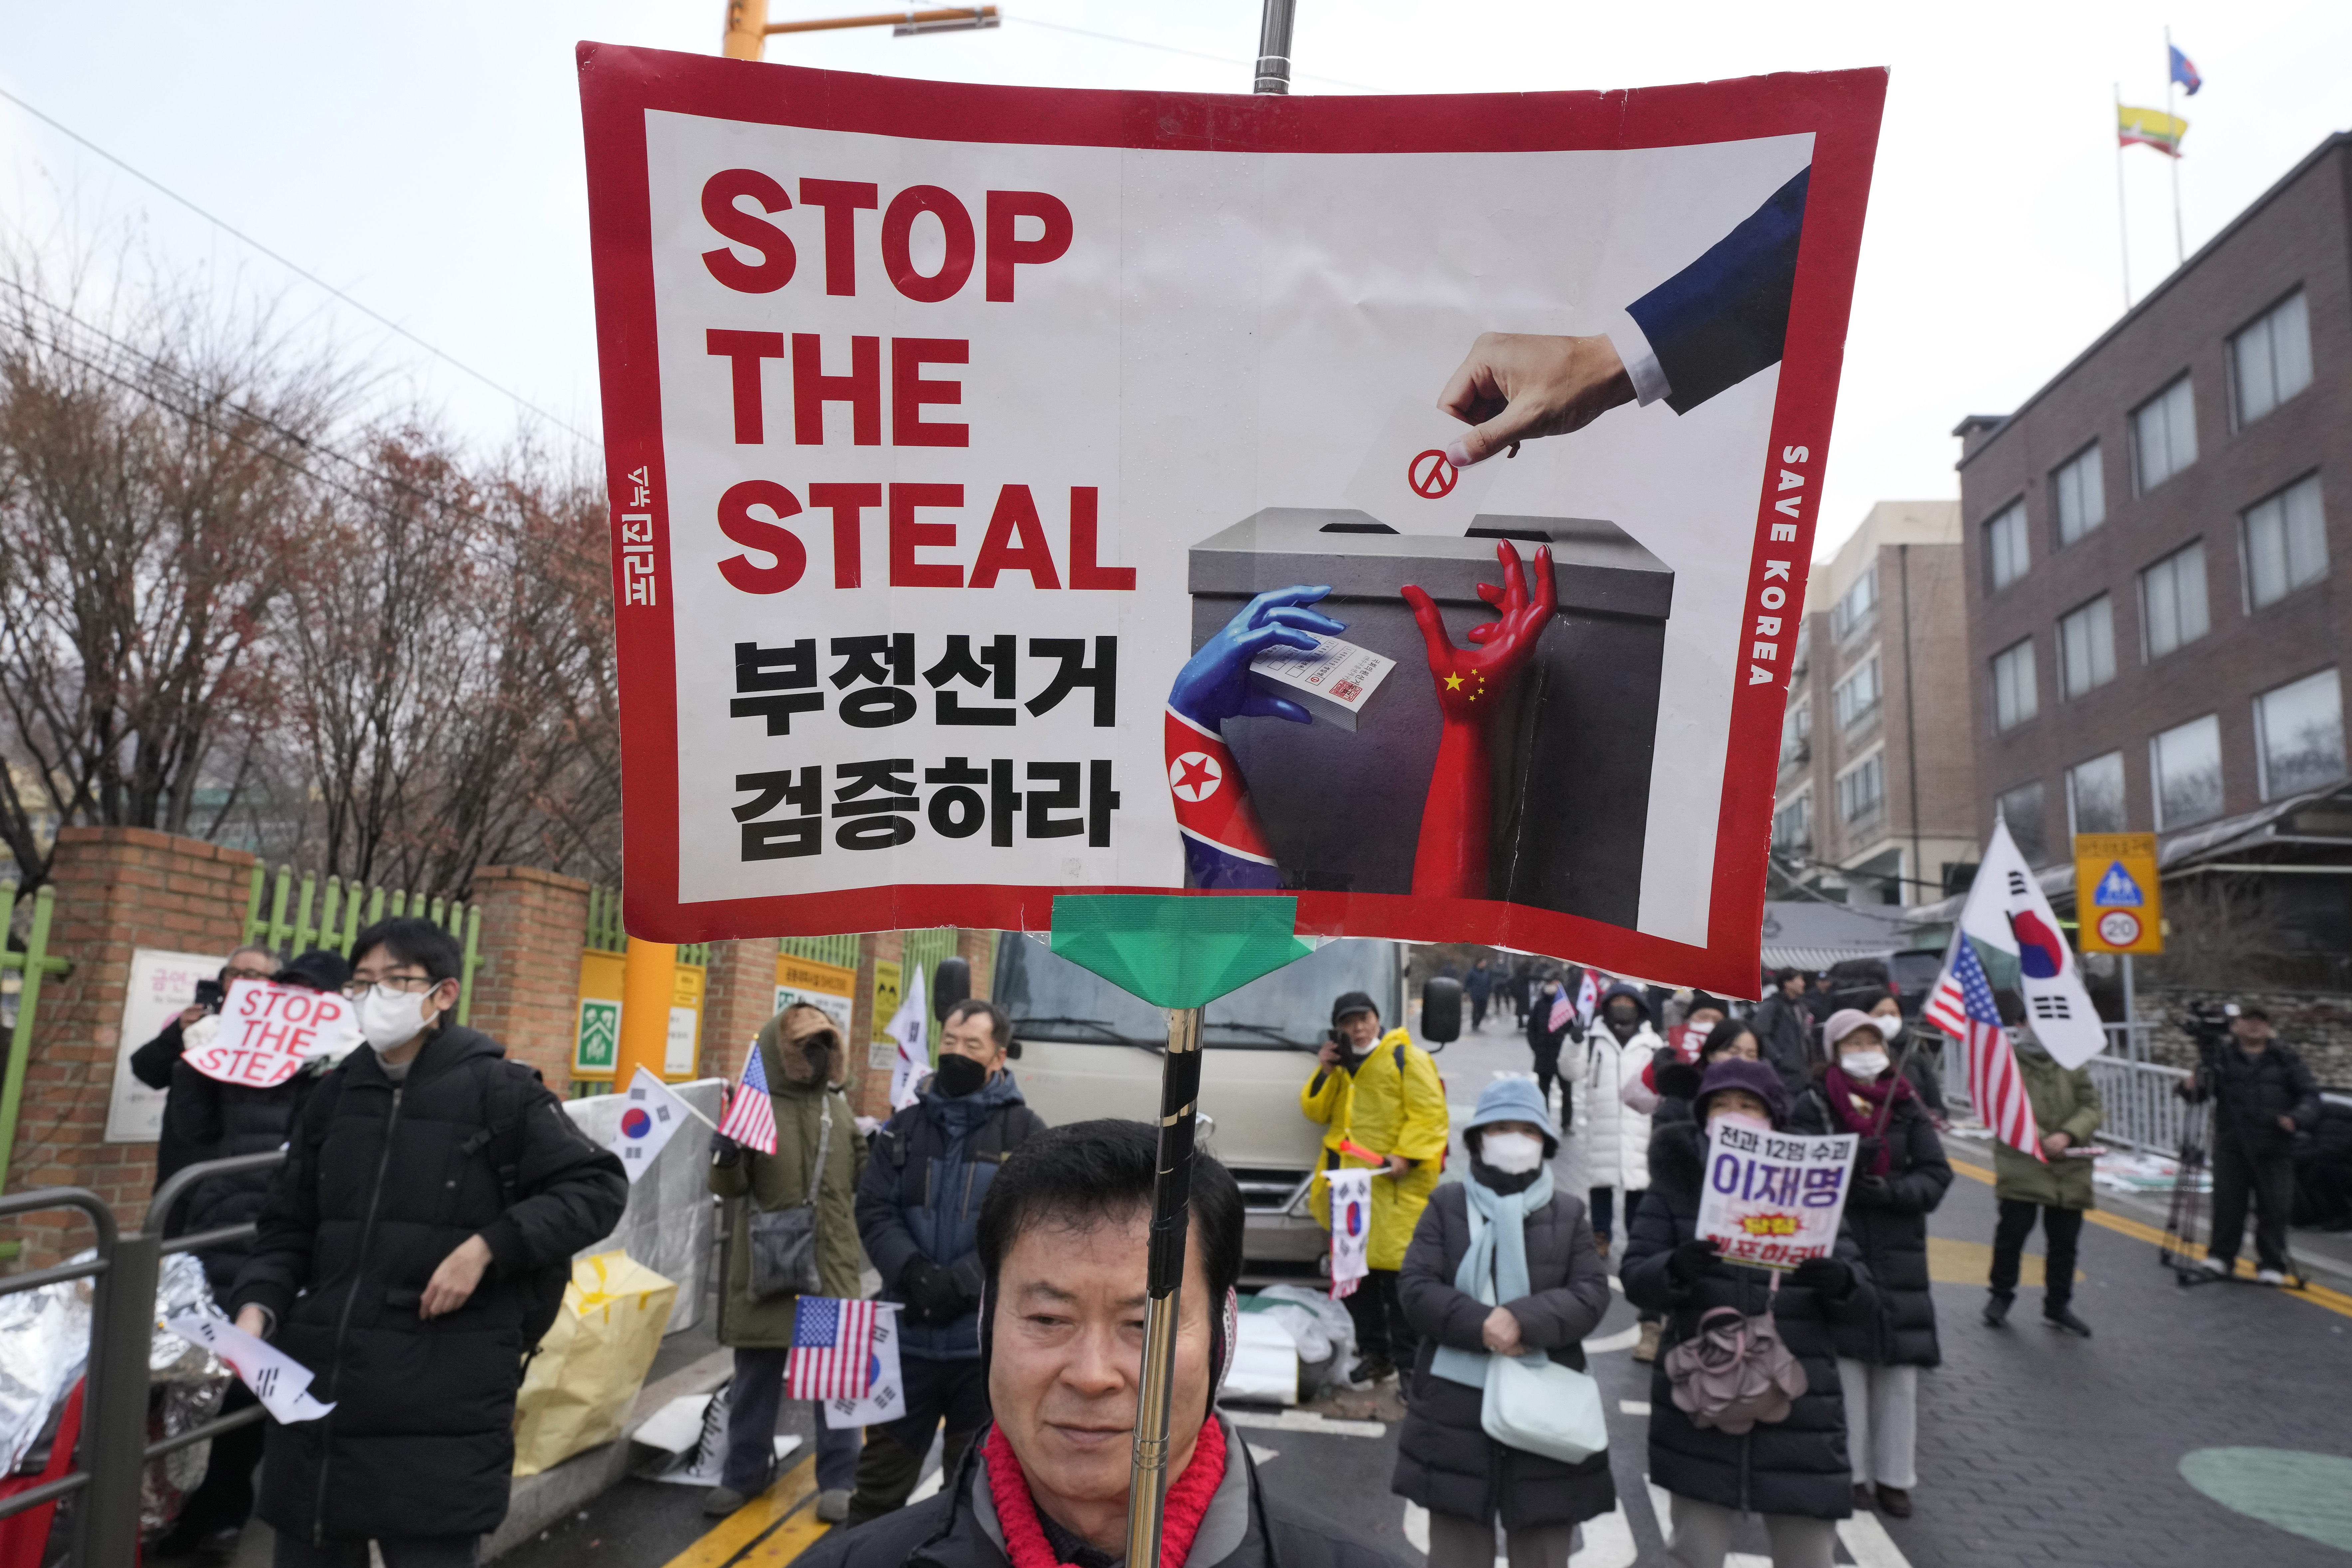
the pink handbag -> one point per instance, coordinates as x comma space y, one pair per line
1736, 1371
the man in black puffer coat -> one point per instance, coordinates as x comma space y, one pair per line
2265, 1096
1794, 1472
217, 1121
413, 1251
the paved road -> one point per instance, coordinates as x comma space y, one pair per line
2034, 1447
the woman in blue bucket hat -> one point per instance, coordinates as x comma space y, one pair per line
1529, 1280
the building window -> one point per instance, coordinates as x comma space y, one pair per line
2080, 490
1804, 651
2271, 360
1795, 728
1792, 826
1855, 698
2005, 555
1862, 788
1854, 606
2015, 695
2172, 600
2286, 543
2086, 646
2021, 809
2187, 763
2164, 433
2299, 735
2094, 795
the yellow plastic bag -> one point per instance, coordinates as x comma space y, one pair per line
592, 1362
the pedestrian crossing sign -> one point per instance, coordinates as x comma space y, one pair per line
2117, 888
2118, 902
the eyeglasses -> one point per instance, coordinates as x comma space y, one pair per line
397, 985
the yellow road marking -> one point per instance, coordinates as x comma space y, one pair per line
796, 1535
725, 1540
2317, 1295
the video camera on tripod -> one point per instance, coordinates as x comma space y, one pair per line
2206, 1023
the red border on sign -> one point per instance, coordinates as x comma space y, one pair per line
618, 86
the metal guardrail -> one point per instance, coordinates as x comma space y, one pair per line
124, 1271
2142, 1113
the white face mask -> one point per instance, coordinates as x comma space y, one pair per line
390, 1019
1862, 1065
1739, 1119
1510, 1152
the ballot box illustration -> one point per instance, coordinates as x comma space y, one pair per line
1571, 749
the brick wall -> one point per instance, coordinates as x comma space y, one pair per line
738, 998
118, 888
527, 988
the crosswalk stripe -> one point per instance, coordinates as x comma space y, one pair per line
1867, 1542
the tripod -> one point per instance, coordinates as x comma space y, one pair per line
2179, 1249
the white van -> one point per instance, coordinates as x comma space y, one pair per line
1089, 1049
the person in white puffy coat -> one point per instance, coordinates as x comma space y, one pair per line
1610, 1154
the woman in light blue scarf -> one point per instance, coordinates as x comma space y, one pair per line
1500, 1264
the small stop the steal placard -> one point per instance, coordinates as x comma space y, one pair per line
267, 1031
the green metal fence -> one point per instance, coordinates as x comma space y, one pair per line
841, 951
332, 915
920, 953
27, 970
605, 932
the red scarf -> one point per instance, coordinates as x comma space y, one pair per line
1187, 1500
1869, 1118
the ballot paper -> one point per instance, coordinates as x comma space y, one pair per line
277, 1379
1333, 682
1406, 480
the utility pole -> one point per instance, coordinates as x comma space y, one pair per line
748, 28
1274, 48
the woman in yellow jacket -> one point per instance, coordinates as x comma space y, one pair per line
1380, 1093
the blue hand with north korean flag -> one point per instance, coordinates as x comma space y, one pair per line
1223, 845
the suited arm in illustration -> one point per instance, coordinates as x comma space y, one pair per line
1226, 848
1710, 326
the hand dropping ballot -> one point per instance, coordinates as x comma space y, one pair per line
1771, 1200
277, 1379
1407, 482
265, 1032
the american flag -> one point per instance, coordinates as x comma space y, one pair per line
750, 1119
1962, 1006
833, 1349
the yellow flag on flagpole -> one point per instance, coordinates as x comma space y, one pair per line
2150, 128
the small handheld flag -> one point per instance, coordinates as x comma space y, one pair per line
650, 1115
2184, 71
1962, 1006
750, 1118
913, 1059
833, 1349
2150, 128
1351, 1230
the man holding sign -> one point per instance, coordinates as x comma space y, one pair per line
414, 1247
1733, 1183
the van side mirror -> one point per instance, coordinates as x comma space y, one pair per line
951, 984
1441, 1010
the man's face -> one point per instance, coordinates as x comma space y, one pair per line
2253, 1033
377, 967
1793, 987
1623, 1018
247, 964
1066, 1355
1361, 1030
970, 1036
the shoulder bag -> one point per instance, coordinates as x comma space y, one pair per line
1736, 1372
1534, 1404
784, 1241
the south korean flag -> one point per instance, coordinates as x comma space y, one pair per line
885, 1391
650, 1114
1351, 1229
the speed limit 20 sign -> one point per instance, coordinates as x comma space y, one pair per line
2117, 899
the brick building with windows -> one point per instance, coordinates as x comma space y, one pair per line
1874, 799
2154, 610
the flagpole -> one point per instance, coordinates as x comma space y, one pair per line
2179, 245
2123, 222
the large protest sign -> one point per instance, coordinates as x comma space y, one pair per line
1773, 1199
990, 466
267, 1031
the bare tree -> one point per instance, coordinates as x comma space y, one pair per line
154, 507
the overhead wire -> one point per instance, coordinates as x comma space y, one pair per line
300, 272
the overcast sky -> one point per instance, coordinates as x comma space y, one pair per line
427, 158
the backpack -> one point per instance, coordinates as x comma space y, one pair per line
1736, 1371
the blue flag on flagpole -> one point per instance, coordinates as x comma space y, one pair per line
2184, 71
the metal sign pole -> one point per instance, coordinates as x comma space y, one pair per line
1274, 48
1171, 1218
